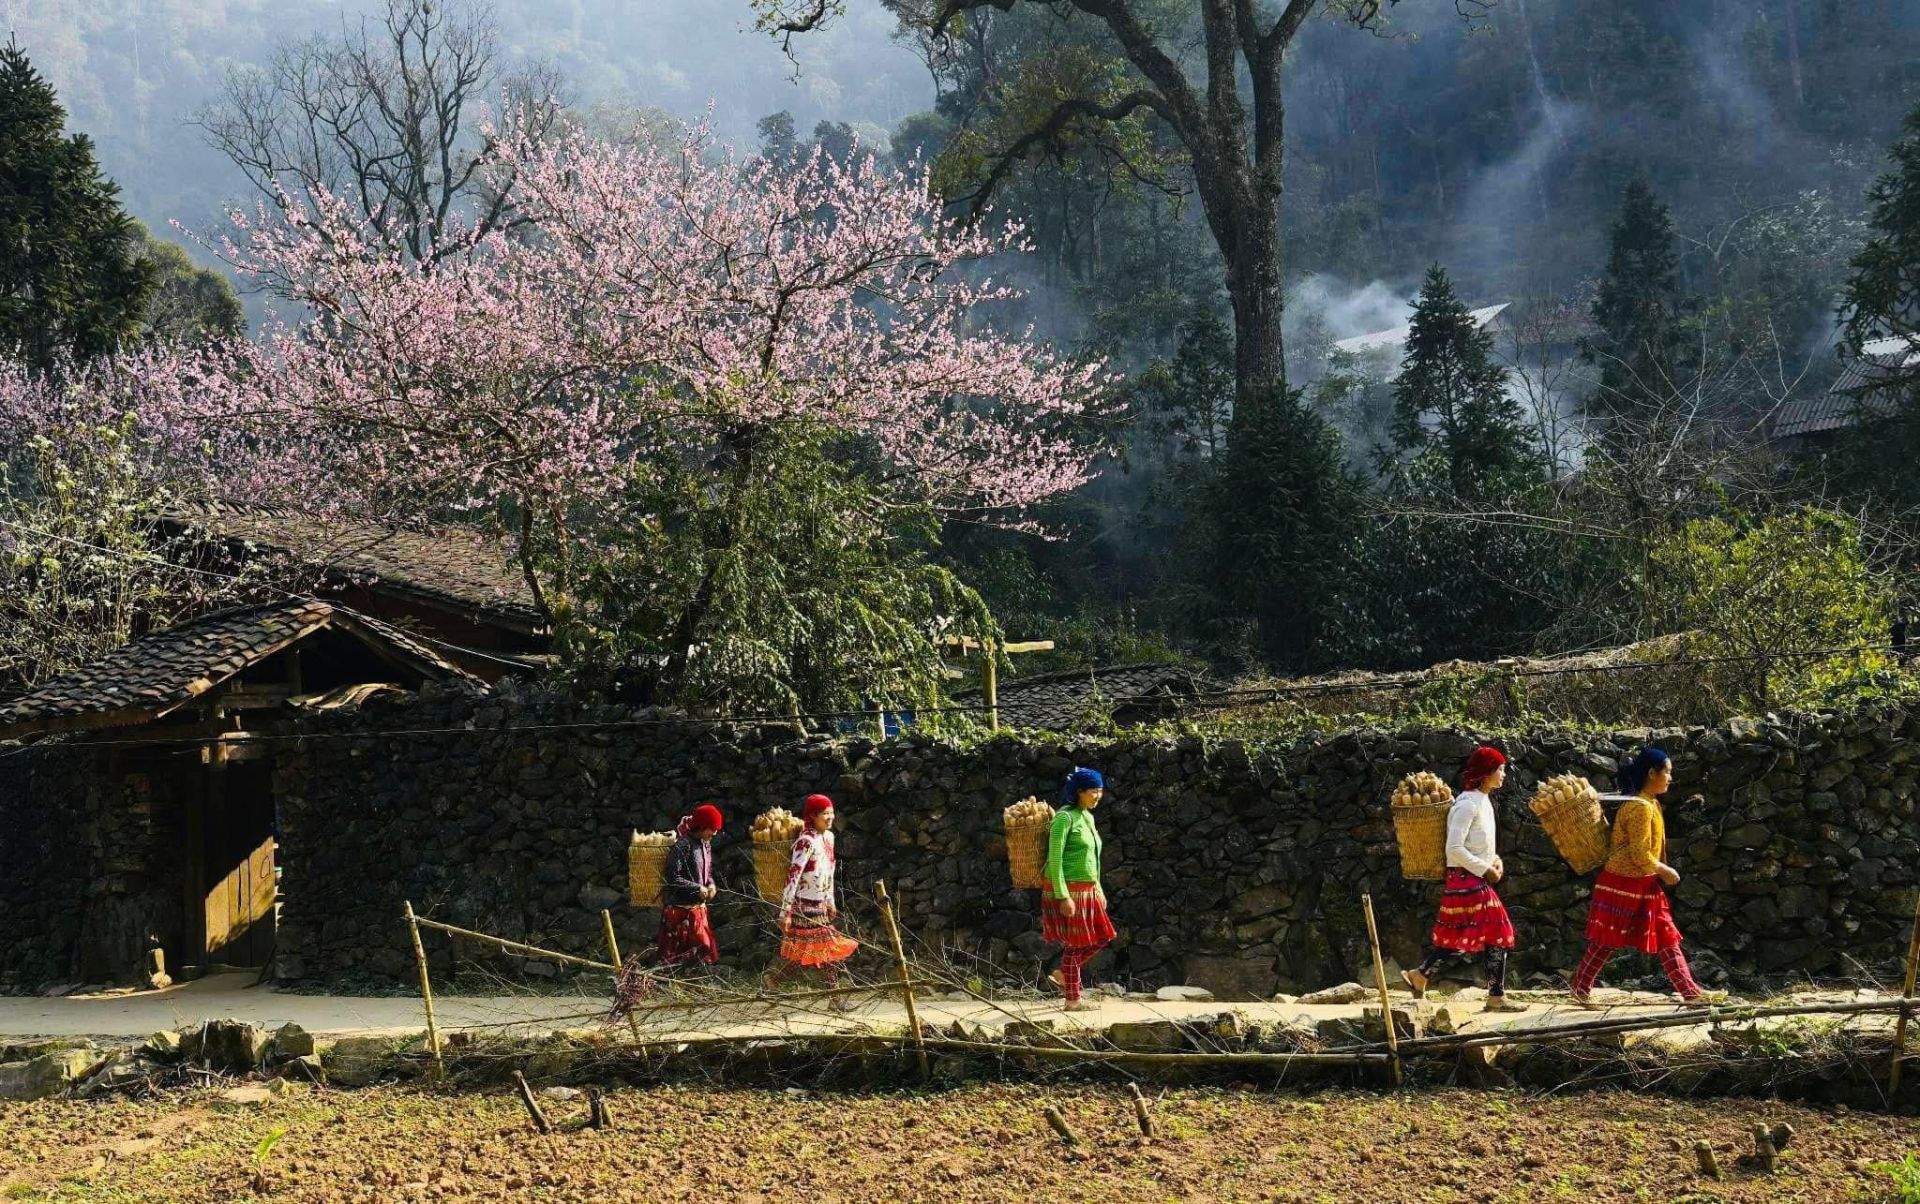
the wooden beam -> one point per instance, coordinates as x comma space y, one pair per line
968, 644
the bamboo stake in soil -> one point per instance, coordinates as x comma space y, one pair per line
906, 977
426, 992
1140, 1113
1703, 1154
1380, 980
1765, 1156
1900, 1025
613, 951
597, 1115
1060, 1125
540, 1120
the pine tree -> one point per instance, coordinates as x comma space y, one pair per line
1638, 309
1451, 401
73, 279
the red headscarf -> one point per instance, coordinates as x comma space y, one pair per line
706, 815
814, 805
1480, 766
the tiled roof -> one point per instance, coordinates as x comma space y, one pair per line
465, 569
1859, 388
157, 674
1064, 700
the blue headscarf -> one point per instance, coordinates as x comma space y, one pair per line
1633, 775
1078, 780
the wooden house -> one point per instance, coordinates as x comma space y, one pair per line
147, 779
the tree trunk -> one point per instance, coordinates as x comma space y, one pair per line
1253, 282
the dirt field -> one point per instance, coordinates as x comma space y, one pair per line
987, 1142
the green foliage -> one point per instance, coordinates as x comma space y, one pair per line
80, 572
788, 580
1763, 591
190, 304
1282, 525
1883, 296
72, 278
1904, 1176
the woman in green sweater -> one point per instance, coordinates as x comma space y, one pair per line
1073, 910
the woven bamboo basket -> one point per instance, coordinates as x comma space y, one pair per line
646, 873
1027, 852
1575, 823
770, 861
1422, 832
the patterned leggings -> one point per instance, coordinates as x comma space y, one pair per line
1672, 960
1495, 959
1071, 960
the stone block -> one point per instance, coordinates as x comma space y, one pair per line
1346, 993
233, 1046
1409, 1021
291, 1041
44, 1076
1147, 1036
362, 1061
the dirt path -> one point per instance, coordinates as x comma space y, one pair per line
137, 1014
982, 1143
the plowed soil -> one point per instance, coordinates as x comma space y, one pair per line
987, 1142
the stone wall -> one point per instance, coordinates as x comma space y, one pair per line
1234, 865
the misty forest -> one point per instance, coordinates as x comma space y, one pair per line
1274, 341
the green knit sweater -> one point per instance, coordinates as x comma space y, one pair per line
1073, 850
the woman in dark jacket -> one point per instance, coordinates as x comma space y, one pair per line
686, 935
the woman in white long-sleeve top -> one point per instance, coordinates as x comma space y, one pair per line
1472, 919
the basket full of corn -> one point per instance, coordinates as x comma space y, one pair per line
1569, 809
1027, 823
773, 832
647, 867
1420, 805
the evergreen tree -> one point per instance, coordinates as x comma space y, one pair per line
1451, 401
73, 279
1285, 518
1638, 309
191, 304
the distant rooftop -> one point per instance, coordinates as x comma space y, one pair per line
1861, 387
1393, 340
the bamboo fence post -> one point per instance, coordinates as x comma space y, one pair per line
613, 951
565, 959
1906, 997
906, 978
1140, 1113
426, 992
990, 685
1380, 981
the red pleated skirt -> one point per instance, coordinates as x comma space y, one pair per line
1087, 928
686, 935
1630, 913
1472, 918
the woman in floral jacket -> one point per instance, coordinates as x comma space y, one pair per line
809, 940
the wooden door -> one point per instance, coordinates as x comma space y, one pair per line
240, 874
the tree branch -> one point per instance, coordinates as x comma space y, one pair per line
1063, 115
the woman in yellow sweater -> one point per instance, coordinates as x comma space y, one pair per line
1629, 909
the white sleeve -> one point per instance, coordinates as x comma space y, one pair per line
1459, 826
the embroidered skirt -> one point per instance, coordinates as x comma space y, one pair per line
686, 935
812, 940
1472, 918
1630, 913
1087, 928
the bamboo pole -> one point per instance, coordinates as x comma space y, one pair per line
613, 951
1380, 981
1628, 1024
1121, 1057
426, 992
1141, 1115
1906, 996
906, 977
518, 947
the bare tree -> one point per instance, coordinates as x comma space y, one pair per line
1216, 80
386, 113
